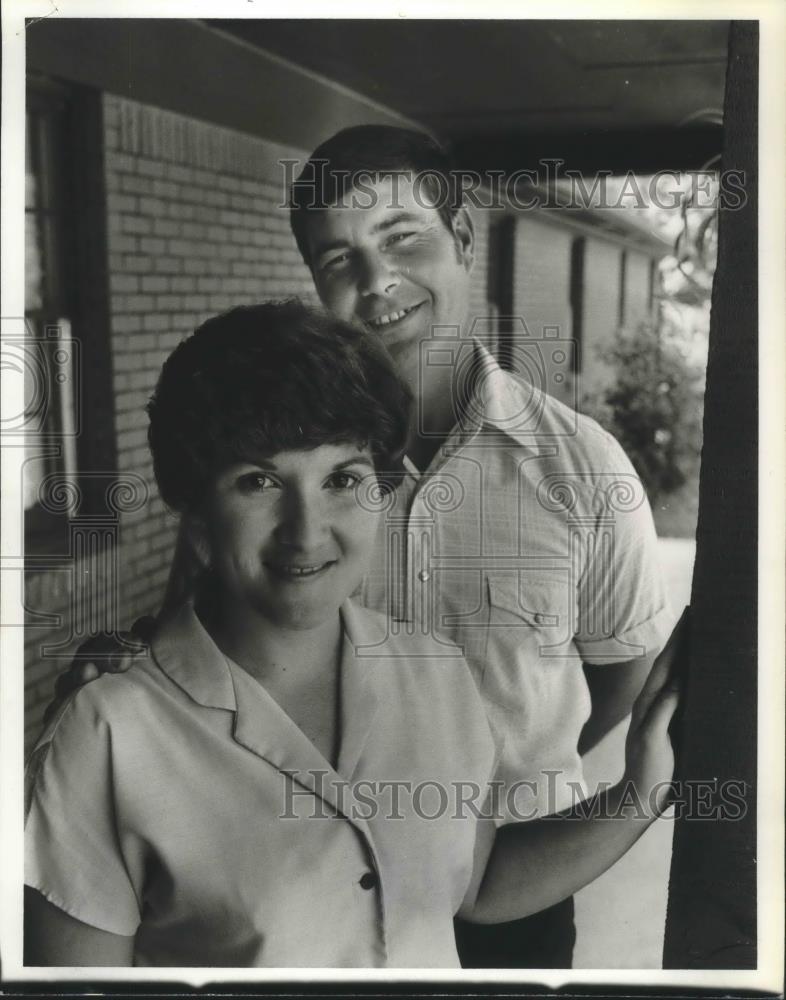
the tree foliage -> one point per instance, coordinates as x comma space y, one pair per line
654, 406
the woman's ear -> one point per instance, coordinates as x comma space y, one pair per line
464, 232
196, 534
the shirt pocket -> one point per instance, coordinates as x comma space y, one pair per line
533, 683
528, 603
529, 635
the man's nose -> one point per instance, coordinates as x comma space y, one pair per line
302, 523
377, 275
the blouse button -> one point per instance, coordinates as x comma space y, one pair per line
368, 880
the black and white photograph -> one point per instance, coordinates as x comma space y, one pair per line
393, 508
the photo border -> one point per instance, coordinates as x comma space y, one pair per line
772, 266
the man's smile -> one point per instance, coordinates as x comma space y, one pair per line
385, 319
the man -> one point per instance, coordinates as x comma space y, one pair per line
517, 529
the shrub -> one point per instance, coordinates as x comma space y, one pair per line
653, 407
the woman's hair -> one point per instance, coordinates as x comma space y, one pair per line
258, 380
362, 153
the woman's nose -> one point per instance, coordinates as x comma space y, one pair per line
302, 524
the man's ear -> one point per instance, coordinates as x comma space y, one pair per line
464, 232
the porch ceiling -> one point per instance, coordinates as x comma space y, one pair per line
637, 95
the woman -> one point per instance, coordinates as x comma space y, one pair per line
284, 782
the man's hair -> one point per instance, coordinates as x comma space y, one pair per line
367, 152
263, 379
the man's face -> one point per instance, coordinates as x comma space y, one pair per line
393, 266
287, 537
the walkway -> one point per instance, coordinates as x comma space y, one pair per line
620, 917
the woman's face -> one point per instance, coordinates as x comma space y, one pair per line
288, 538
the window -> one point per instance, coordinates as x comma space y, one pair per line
66, 312
50, 418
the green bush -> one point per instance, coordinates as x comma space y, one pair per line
653, 407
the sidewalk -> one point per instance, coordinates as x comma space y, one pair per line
620, 917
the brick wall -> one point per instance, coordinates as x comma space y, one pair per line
194, 227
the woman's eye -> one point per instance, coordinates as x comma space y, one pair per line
343, 481
256, 482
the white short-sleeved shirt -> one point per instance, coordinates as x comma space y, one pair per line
529, 543
179, 803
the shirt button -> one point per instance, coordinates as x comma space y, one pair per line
424, 576
368, 880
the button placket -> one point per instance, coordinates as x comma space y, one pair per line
421, 534
401, 554
422, 528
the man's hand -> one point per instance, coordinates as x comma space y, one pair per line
99, 655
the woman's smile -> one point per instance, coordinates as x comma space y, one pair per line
297, 572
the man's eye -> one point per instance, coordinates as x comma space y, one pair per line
256, 482
334, 263
400, 237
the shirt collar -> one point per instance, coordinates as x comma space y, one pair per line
499, 400
508, 404
189, 657
358, 698
186, 653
